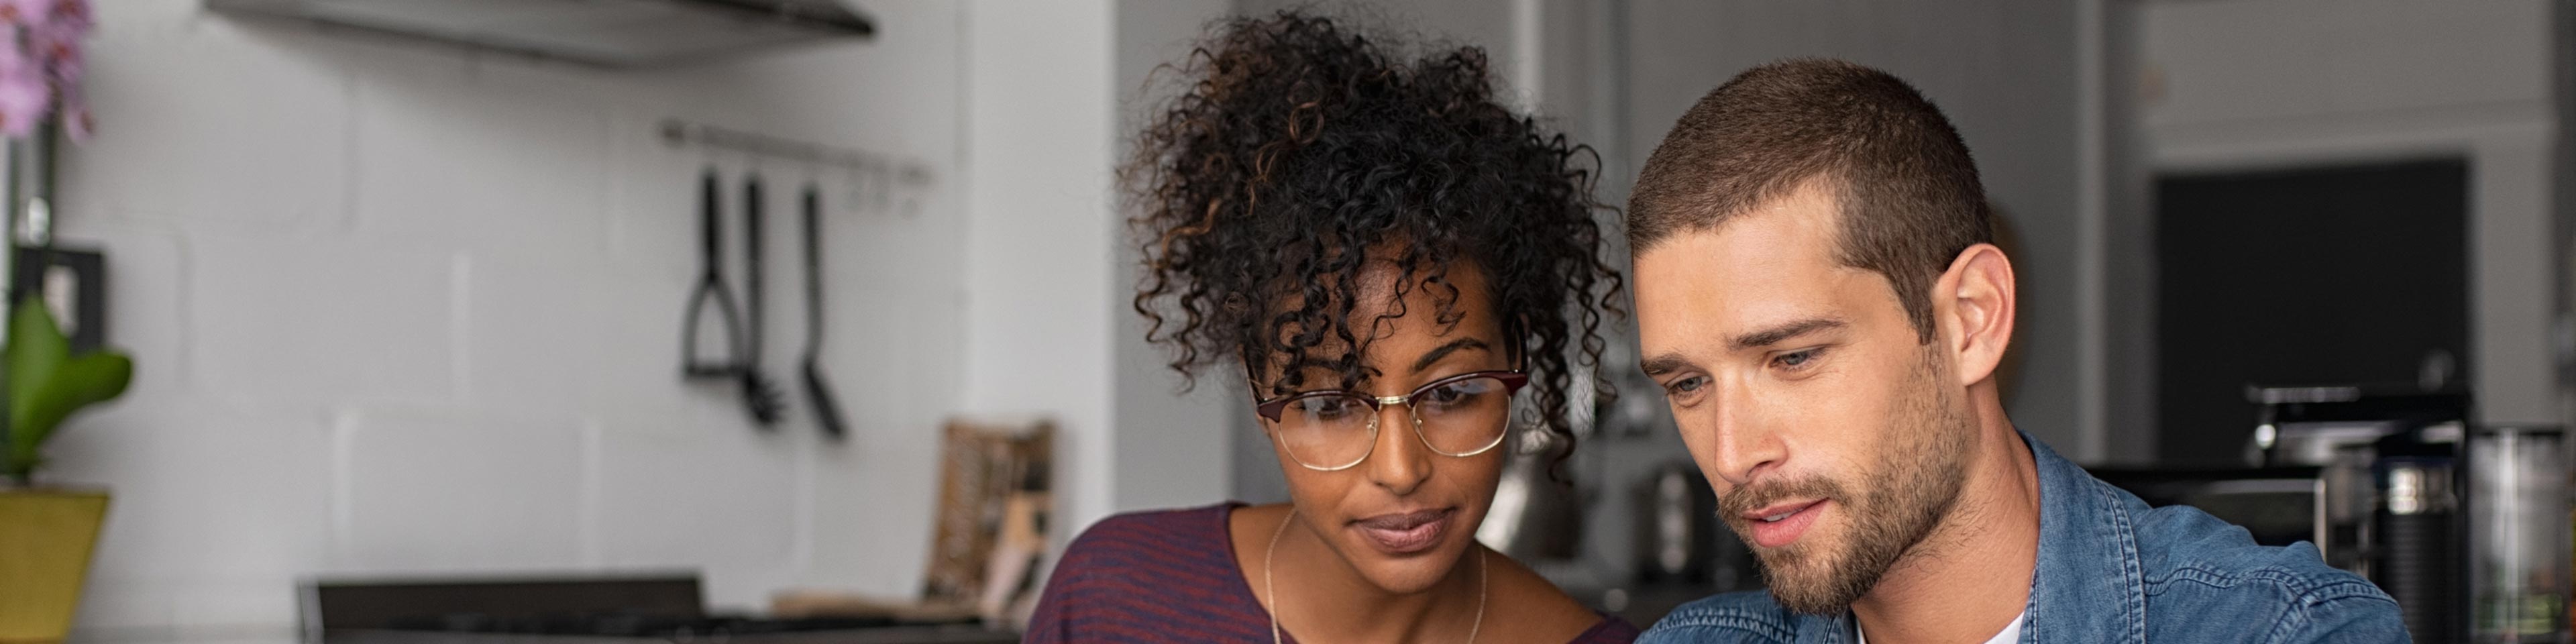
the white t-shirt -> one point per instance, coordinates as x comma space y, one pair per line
2010, 634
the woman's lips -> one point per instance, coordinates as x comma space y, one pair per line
1405, 533
1794, 519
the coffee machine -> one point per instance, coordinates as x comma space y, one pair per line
2364, 442
2466, 525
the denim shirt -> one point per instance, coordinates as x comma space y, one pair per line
2112, 569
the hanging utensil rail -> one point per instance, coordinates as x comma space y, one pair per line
679, 133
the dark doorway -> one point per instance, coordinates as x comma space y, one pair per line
2318, 275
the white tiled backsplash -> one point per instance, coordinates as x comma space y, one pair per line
407, 309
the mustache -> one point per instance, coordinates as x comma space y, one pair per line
1748, 498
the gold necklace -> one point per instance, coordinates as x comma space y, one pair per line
1273, 593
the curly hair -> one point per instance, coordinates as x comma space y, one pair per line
1301, 151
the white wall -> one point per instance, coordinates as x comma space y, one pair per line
1038, 128
1051, 88
405, 309
2264, 83
1172, 445
1049, 273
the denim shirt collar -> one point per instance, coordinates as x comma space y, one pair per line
2088, 586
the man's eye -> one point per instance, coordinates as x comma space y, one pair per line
1795, 359
1686, 385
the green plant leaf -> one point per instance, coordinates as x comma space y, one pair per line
46, 383
35, 348
81, 381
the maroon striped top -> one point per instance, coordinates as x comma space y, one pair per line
1170, 576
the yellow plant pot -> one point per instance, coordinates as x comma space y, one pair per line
45, 542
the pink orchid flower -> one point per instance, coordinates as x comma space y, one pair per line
24, 97
41, 64
72, 15
26, 13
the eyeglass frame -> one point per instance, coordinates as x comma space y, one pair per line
1513, 380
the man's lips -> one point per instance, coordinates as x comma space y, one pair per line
1403, 533
1780, 524
1777, 509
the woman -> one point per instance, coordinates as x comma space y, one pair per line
1388, 258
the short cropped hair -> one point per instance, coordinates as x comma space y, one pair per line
1907, 190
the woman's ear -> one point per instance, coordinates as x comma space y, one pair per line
1973, 304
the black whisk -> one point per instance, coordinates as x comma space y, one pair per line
759, 394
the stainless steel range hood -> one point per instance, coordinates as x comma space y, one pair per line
613, 33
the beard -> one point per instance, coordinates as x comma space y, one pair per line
1914, 486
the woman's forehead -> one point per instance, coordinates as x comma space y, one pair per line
1394, 336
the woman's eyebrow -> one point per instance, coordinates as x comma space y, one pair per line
1452, 347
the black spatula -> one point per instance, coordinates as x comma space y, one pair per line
826, 410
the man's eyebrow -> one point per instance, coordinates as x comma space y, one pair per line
1454, 345
1663, 364
1775, 335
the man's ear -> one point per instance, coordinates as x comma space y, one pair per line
1973, 305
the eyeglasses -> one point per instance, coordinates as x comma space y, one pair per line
1333, 429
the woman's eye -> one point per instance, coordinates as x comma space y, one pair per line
1457, 393
1325, 407
1443, 394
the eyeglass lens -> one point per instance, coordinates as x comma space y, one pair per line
1338, 429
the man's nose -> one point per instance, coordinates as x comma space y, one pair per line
1733, 441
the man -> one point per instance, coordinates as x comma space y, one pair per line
1819, 298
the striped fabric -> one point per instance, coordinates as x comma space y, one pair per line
1169, 576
